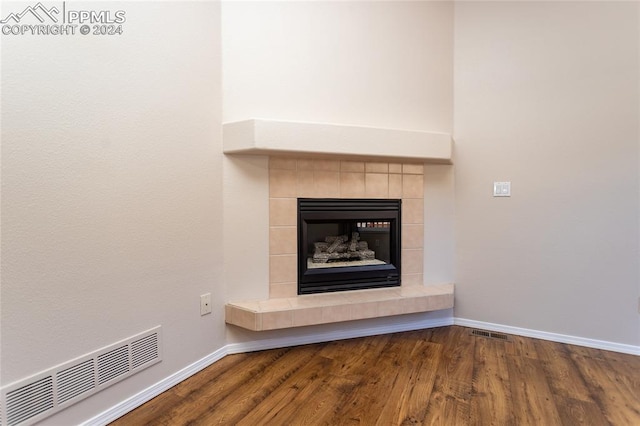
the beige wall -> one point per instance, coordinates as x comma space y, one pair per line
111, 189
384, 64
546, 96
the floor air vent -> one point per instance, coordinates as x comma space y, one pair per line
489, 334
30, 400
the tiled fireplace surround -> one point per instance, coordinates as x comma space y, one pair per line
290, 178
325, 160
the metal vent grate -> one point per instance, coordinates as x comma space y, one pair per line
113, 364
32, 399
489, 334
29, 401
75, 381
144, 350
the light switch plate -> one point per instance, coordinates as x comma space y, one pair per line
502, 189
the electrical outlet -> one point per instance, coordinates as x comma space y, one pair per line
205, 304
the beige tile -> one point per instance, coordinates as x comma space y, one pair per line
418, 304
282, 269
395, 186
352, 185
409, 280
377, 185
282, 183
305, 164
326, 184
412, 210
413, 169
283, 163
395, 168
412, 236
283, 211
248, 305
271, 305
409, 305
305, 187
322, 299
228, 314
352, 166
364, 310
242, 318
442, 301
390, 307
412, 290
422, 304
372, 295
277, 320
283, 240
444, 288
412, 261
302, 302
412, 186
336, 313
326, 165
307, 316
280, 290
376, 167
439, 289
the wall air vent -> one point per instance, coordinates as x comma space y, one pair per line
490, 334
29, 401
144, 350
32, 399
75, 381
113, 364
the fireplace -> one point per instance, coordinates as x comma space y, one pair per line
324, 179
348, 244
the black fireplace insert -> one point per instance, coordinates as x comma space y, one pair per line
348, 244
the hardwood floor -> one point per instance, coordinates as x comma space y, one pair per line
441, 376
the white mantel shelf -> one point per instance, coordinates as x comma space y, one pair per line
325, 308
271, 137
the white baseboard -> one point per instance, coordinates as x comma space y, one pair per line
151, 392
554, 337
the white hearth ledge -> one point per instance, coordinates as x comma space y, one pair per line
271, 137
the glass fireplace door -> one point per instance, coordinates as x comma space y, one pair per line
348, 244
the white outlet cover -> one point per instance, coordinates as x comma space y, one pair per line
205, 304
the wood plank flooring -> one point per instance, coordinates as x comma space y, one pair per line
441, 376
